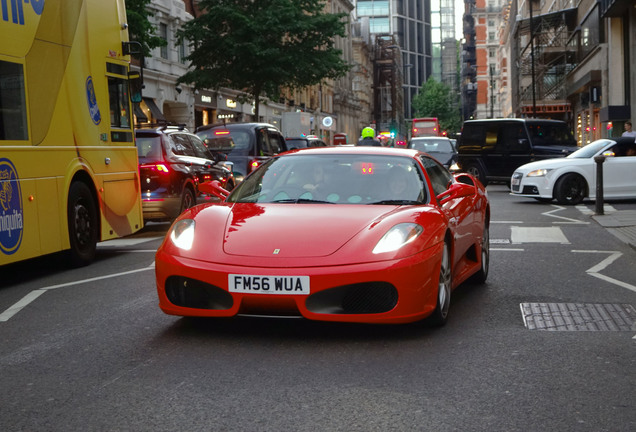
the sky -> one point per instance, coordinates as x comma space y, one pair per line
459, 13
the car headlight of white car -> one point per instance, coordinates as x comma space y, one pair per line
398, 236
182, 234
542, 172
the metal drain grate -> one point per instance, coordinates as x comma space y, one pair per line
579, 316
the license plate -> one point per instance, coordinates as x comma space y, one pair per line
268, 284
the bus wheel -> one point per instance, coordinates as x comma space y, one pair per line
82, 224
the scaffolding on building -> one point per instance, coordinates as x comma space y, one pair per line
388, 94
544, 58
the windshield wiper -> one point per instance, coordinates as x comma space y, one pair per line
395, 202
302, 201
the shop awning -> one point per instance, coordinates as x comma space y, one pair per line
139, 114
154, 109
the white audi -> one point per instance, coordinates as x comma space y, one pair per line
572, 179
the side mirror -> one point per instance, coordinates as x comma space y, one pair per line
135, 83
214, 188
456, 190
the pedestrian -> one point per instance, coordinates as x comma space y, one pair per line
367, 138
628, 130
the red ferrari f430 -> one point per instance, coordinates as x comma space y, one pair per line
349, 234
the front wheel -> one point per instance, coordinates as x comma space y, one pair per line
82, 224
444, 287
482, 274
187, 200
474, 170
570, 189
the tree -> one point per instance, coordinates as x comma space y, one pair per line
140, 29
261, 46
436, 99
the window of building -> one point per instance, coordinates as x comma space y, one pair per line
163, 33
379, 25
373, 8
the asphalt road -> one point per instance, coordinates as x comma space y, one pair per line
88, 349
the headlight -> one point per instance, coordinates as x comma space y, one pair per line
397, 237
182, 234
454, 167
538, 173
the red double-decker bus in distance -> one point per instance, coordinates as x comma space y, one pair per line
428, 126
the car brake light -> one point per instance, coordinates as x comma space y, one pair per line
366, 168
254, 165
221, 132
161, 168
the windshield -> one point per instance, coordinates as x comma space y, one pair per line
149, 148
432, 145
551, 134
219, 139
337, 179
590, 150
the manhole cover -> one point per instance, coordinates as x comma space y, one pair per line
579, 316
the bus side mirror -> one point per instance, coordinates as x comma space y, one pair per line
135, 83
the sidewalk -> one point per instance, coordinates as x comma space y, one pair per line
621, 223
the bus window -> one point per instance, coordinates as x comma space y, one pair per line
119, 105
13, 116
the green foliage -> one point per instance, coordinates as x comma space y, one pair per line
139, 27
261, 46
436, 99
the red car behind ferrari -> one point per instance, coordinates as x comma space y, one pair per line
350, 234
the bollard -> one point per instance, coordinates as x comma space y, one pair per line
599, 184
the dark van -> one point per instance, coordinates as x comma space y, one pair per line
246, 145
492, 149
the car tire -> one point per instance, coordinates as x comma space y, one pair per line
482, 274
570, 189
83, 224
444, 287
474, 170
187, 200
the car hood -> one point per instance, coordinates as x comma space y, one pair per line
554, 163
291, 229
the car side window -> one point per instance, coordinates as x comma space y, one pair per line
262, 140
181, 145
473, 137
200, 150
276, 142
514, 138
439, 176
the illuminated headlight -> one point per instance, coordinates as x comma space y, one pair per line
538, 173
182, 234
397, 237
454, 167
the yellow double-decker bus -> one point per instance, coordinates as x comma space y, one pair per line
68, 162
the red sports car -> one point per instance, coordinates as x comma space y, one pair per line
350, 234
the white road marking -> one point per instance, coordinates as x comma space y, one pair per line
566, 220
595, 270
123, 242
537, 235
30, 297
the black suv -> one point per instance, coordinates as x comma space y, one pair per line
172, 163
304, 142
250, 145
492, 149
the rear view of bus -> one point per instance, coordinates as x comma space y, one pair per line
68, 162
428, 126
